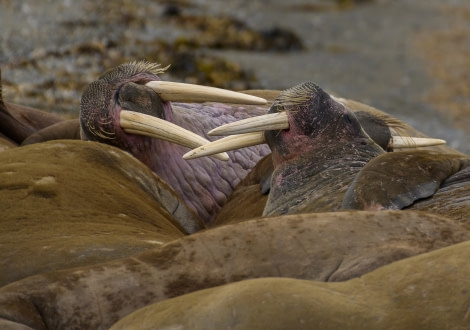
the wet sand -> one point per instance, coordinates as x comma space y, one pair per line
409, 58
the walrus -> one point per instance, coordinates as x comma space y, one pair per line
135, 84
325, 161
17, 122
70, 203
122, 106
334, 246
199, 185
429, 291
108, 115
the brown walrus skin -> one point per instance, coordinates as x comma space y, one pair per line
71, 203
322, 247
33, 299
429, 291
415, 180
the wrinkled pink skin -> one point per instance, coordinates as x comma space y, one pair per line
204, 183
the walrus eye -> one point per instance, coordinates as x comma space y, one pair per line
350, 122
347, 119
354, 127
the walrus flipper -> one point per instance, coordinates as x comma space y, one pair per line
17, 122
462, 176
396, 180
67, 129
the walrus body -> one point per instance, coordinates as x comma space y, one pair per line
429, 291
73, 203
317, 247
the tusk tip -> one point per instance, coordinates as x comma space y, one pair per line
267, 122
222, 156
193, 154
414, 142
259, 101
214, 131
190, 155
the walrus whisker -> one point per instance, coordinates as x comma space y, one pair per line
134, 68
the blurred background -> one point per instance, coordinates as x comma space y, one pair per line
410, 58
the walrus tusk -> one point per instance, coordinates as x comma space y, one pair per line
279, 120
249, 132
141, 124
227, 143
270, 121
180, 92
237, 141
398, 142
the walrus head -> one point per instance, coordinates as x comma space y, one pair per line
314, 119
104, 98
131, 98
131, 108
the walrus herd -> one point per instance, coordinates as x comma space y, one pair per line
343, 217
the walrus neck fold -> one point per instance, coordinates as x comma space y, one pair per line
317, 181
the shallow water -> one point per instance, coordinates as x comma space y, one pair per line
385, 53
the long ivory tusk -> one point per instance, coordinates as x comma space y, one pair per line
271, 121
275, 121
227, 143
250, 131
141, 124
180, 92
413, 142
